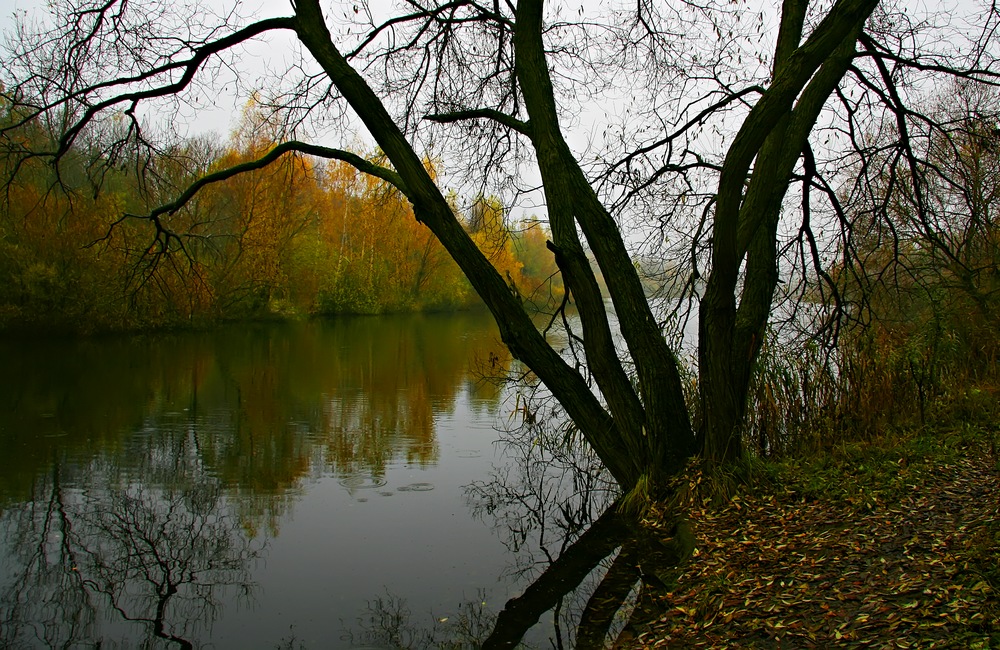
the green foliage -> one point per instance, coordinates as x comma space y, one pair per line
637, 501
295, 238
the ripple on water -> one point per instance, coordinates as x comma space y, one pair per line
468, 453
416, 487
362, 482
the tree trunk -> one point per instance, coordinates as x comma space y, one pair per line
748, 207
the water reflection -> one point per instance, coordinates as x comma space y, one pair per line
389, 623
261, 407
593, 575
601, 591
597, 574
142, 478
87, 563
147, 487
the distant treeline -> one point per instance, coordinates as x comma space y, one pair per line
298, 237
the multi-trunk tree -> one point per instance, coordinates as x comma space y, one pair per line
714, 110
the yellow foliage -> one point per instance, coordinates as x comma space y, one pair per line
299, 236
489, 231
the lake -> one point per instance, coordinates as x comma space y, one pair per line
322, 484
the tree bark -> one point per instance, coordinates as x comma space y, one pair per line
654, 425
748, 208
517, 331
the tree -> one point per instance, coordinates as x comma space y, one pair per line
489, 231
382, 259
928, 212
918, 268
541, 283
721, 114
253, 222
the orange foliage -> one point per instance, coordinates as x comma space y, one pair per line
299, 236
385, 260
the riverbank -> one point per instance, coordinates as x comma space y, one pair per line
82, 329
892, 544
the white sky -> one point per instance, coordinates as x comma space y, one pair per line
220, 115
260, 56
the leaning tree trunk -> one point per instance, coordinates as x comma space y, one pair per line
616, 437
643, 431
654, 425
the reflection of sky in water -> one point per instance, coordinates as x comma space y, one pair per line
354, 539
340, 450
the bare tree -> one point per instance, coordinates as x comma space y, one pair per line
723, 107
925, 215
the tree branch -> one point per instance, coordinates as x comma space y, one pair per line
354, 160
189, 67
524, 128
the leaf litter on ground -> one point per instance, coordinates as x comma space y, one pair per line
910, 560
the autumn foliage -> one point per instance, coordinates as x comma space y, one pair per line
298, 237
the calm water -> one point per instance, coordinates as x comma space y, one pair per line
315, 485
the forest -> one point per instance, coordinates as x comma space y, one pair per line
298, 238
816, 189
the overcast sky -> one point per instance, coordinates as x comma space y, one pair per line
260, 57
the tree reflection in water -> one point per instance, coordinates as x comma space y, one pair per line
600, 577
134, 470
389, 623
150, 564
129, 513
